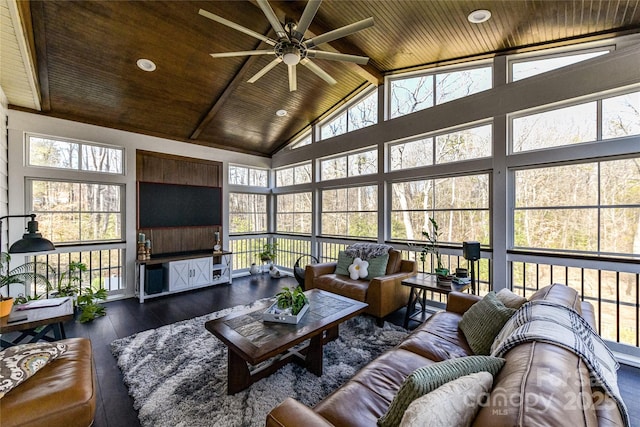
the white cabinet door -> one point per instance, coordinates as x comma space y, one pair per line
179, 275
201, 271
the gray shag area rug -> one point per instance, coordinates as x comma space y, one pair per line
177, 374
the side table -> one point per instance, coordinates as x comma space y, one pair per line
37, 322
420, 284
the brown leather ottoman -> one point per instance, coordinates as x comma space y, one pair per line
63, 393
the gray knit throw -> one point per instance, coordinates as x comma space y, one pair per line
367, 251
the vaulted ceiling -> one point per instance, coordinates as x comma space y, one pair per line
85, 53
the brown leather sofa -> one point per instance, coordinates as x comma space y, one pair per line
384, 294
62, 394
540, 384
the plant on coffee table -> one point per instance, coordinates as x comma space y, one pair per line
86, 298
295, 299
434, 247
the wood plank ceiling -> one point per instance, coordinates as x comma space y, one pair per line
86, 53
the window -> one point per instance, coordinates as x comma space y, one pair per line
459, 204
359, 115
295, 175
577, 124
65, 154
242, 175
356, 164
293, 213
589, 207
563, 126
522, 69
418, 92
305, 140
76, 212
350, 212
621, 116
247, 213
465, 144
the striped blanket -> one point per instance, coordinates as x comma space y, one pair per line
554, 323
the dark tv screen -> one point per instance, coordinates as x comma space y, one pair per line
172, 205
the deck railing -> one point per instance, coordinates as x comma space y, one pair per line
105, 269
611, 285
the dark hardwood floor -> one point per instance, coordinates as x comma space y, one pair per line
126, 317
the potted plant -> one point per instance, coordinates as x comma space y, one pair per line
87, 300
434, 248
293, 300
268, 253
25, 274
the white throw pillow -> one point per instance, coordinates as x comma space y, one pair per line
359, 269
455, 403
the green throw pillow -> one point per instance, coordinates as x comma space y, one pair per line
344, 261
483, 321
428, 378
378, 266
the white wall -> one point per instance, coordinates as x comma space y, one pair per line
22, 122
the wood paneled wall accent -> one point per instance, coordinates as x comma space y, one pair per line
169, 169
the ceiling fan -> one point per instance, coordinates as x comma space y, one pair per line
290, 46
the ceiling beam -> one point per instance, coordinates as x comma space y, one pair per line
227, 92
37, 19
292, 10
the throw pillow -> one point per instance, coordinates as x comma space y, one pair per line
378, 266
455, 403
20, 362
358, 270
344, 261
482, 322
428, 378
509, 299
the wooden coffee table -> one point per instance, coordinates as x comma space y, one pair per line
37, 322
252, 342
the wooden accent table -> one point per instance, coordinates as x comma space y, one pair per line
420, 284
252, 342
38, 322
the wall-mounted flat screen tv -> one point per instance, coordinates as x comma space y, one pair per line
173, 205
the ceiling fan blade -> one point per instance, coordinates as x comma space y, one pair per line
293, 81
318, 71
273, 19
236, 27
307, 16
265, 70
321, 54
242, 53
339, 33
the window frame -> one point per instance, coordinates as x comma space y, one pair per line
433, 72
346, 156
81, 143
361, 97
230, 213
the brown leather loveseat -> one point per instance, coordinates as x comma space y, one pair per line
61, 394
384, 294
540, 384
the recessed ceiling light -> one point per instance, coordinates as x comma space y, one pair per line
146, 64
479, 16
281, 113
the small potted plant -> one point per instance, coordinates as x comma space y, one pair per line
434, 248
289, 307
268, 253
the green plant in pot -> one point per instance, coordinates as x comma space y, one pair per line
86, 299
27, 274
293, 299
268, 253
434, 248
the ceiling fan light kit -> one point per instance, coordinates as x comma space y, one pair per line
291, 47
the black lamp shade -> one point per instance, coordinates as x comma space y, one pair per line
32, 241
